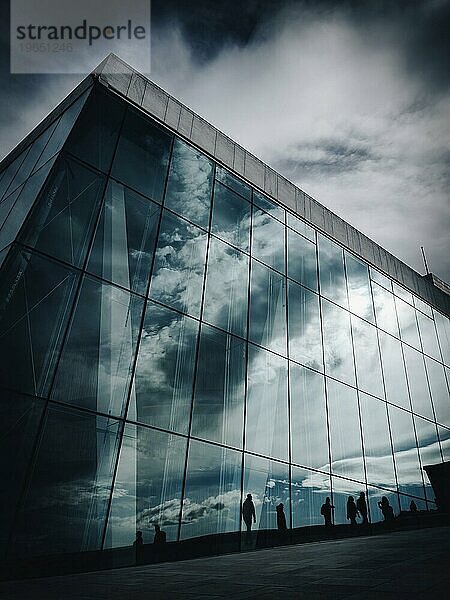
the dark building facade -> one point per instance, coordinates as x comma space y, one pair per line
180, 326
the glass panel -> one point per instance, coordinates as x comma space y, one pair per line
274, 210
400, 292
305, 339
429, 450
367, 356
32, 156
345, 433
97, 360
309, 490
21, 416
213, 491
66, 503
444, 437
226, 291
301, 227
423, 306
308, 419
381, 279
147, 489
95, 136
418, 384
405, 503
439, 391
267, 428
377, 443
142, 156
165, 369
268, 483
268, 308
302, 260
231, 217
268, 240
385, 310
5, 207
10, 171
408, 324
190, 183
19, 210
394, 371
36, 297
232, 182
359, 292
331, 272
62, 130
63, 217
177, 278
220, 388
337, 342
443, 331
124, 242
409, 474
428, 336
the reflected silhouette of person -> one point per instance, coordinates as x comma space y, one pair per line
413, 506
386, 509
326, 511
361, 507
248, 512
160, 535
352, 511
281, 518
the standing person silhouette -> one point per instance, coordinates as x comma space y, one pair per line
326, 511
281, 518
361, 507
248, 513
386, 509
352, 511
160, 535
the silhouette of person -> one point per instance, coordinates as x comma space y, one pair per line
413, 506
138, 546
326, 511
361, 507
352, 511
386, 509
281, 518
160, 536
248, 512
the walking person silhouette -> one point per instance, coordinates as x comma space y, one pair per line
326, 511
361, 506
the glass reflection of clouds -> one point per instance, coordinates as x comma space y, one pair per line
177, 278
345, 432
359, 294
337, 342
189, 185
268, 240
267, 428
268, 308
231, 216
165, 369
309, 445
147, 488
212, 496
218, 412
305, 340
331, 272
226, 288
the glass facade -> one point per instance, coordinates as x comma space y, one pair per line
173, 341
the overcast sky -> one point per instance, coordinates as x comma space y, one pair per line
349, 100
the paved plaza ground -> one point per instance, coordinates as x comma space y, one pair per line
402, 565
